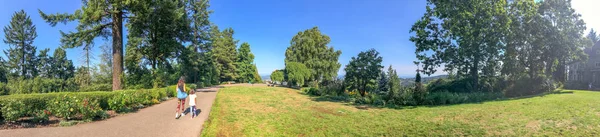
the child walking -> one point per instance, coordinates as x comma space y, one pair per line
193, 103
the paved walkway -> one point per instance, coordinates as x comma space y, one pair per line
155, 121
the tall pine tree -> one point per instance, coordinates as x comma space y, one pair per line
244, 64
19, 35
98, 18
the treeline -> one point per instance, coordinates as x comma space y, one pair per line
166, 39
519, 47
490, 49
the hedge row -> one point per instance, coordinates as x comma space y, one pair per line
21, 105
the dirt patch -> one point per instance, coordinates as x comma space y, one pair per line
325, 110
533, 125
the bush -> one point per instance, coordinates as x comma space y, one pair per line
313, 91
3, 89
568, 85
41, 116
446, 98
334, 87
90, 109
420, 93
526, 85
13, 110
41, 85
65, 107
104, 100
97, 87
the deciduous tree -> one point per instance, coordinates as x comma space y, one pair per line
310, 48
362, 71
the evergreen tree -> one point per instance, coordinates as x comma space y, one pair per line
394, 83
382, 83
19, 35
98, 18
44, 64
162, 26
245, 68
3, 71
62, 67
224, 52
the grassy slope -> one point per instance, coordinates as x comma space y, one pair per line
268, 111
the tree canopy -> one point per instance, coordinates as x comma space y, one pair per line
310, 48
362, 71
296, 73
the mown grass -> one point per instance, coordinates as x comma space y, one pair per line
270, 111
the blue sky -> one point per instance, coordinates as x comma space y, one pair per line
269, 25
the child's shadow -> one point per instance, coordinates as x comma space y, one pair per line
187, 111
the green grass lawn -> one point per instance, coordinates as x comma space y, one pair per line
271, 111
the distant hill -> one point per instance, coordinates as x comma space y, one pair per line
424, 80
265, 77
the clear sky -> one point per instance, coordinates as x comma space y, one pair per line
269, 25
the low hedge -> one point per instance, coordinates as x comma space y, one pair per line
119, 100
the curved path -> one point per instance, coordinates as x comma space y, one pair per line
156, 121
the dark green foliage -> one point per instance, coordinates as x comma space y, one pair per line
62, 68
245, 67
40, 85
362, 72
13, 109
224, 52
296, 73
313, 91
447, 98
310, 48
96, 87
19, 35
383, 83
161, 26
3, 71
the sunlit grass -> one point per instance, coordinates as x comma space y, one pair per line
270, 111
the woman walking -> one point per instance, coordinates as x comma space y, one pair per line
181, 95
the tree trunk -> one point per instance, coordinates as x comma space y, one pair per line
475, 74
117, 30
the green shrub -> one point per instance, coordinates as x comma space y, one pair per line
3, 89
313, 91
419, 94
446, 98
89, 109
96, 87
568, 85
64, 107
120, 102
13, 110
41, 116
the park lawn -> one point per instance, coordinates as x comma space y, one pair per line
274, 111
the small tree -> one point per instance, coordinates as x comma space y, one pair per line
297, 73
382, 85
362, 71
277, 76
